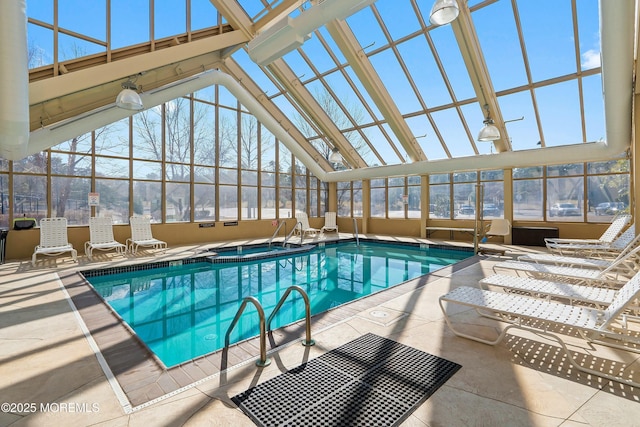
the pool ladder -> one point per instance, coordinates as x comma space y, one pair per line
355, 231
291, 233
265, 326
275, 233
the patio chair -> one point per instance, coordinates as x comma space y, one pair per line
612, 276
141, 235
101, 237
608, 250
497, 227
53, 239
615, 228
629, 266
609, 327
538, 288
329, 222
304, 227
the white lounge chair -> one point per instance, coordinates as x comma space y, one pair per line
608, 327
329, 222
303, 224
612, 276
101, 237
615, 228
628, 266
141, 235
599, 296
609, 250
53, 239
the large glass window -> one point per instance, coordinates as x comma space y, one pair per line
439, 196
528, 194
565, 192
378, 198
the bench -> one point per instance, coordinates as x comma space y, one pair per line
451, 230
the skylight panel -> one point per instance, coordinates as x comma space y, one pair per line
593, 108
329, 105
73, 47
91, 22
300, 121
391, 10
424, 71
589, 34
560, 113
40, 45
255, 72
363, 92
453, 133
380, 144
299, 65
317, 54
348, 98
366, 29
524, 133
498, 36
426, 137
129, 23
170, 18
451, 58
550, 51
203, 15
395, 81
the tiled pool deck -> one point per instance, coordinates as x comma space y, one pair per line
47, 362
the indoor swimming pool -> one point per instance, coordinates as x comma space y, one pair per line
182, 310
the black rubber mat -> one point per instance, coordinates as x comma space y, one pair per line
370, 381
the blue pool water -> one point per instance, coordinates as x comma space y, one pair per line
183, 311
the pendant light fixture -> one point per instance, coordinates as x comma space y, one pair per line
335, 156
443, 12
489, 132
128, 98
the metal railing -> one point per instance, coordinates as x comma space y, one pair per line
275, 233
293, 231
266, 325
307, 308
355, 231
263, 336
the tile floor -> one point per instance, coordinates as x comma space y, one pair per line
50, 374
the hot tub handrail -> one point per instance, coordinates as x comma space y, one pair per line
291, 233
355, 231
275, 233
307, 308
263, 336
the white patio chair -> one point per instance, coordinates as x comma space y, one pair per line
608, 250
612, 276
53, 239
627, 266
101, 237
598, 296
141, 235
608, 327
304, 227
329, 222
615, 228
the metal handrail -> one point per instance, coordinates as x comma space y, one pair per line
355, 228
291, 233
275, 233
263, 336
307, 308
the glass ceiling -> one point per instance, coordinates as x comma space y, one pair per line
544, 82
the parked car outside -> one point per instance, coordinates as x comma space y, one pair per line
609, 208
490, 209
564, 209
466, 210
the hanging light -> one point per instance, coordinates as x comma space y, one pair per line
489, 132
335, 156
443, 12
128, 98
